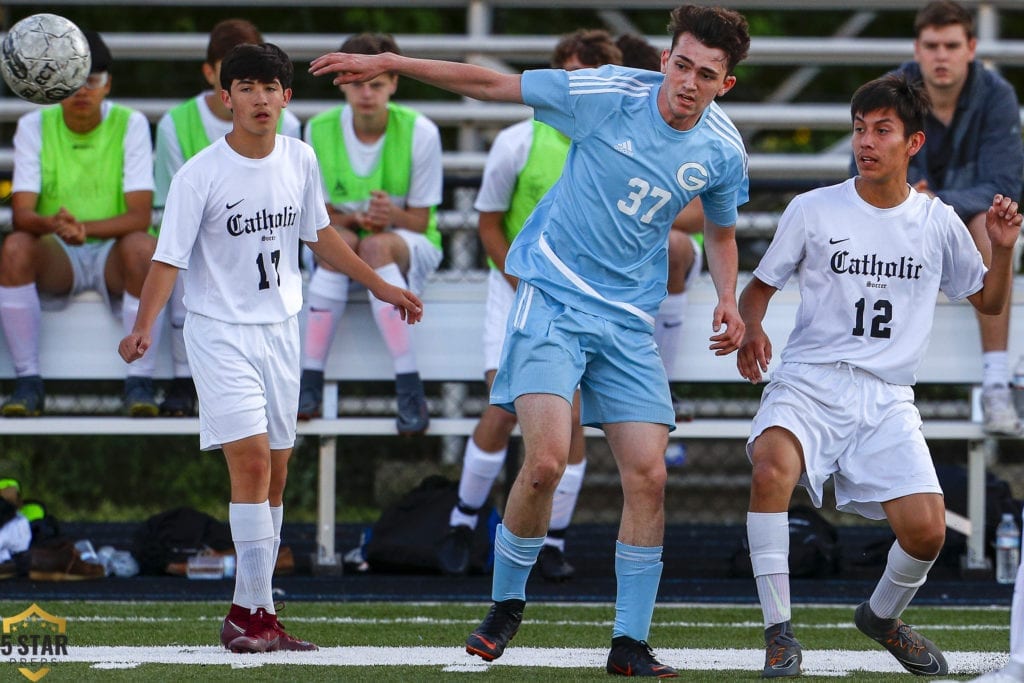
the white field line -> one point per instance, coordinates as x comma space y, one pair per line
822, 662
375, 621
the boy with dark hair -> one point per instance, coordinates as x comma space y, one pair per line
592, 261
235, 215
871, 255
381, 167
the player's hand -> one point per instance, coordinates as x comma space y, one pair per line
1003, 221
408, 304
134, 346
350, 68
754, 355
68, 228
725, 341
377, 216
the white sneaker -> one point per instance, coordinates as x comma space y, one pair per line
1000, 417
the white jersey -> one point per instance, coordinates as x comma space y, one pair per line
234, 224
505, 161
869, 277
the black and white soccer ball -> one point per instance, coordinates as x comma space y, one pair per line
45, 58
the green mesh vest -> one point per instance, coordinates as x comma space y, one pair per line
188, 127
393, 169
83, 172
543, 167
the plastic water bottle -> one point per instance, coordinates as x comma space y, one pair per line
1018, 387
205, 567
1007, 549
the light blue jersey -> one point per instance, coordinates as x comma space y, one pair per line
605, 252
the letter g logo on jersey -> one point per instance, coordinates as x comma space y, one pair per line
692, 176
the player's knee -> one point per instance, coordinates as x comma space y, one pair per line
543, 474
925, 542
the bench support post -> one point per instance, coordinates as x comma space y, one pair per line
326, 560
978, 455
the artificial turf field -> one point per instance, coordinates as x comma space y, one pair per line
391, 641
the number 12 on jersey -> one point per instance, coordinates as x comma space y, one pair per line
879, 321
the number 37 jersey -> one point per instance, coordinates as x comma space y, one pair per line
869, 277
234, 224
598, 240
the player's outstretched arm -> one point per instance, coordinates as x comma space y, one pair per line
156, 290
465, 79
723, 263
1002, 222
331, 248
756, 348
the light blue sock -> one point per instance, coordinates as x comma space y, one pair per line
637, 574
514, 557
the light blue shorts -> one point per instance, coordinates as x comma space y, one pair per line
551, 348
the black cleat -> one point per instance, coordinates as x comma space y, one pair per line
454, 549
413, 413
180, 398
311, 394
500, 625
914, 652
782, 652
27, 399
553, 566
629, 657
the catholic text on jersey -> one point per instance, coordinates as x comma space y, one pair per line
870, 264
239, 224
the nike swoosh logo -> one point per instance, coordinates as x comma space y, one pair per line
231, 206
932, 668
832, 241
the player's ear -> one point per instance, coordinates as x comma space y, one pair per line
225, 97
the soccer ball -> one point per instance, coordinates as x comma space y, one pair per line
45, 58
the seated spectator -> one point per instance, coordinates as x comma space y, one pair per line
15, 529
381, 168
81, 207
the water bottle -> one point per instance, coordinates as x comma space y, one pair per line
1018, 387
205, 567
1007, 550
675, 454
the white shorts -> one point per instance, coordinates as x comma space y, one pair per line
247, 379
424, 258
500, 296
863, 432
88, 263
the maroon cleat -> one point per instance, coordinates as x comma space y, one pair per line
260, 634
289, 642
234, 624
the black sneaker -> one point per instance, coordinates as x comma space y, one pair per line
311, 394
917, 654
552, 564
27, 399
139, 397
630, 657
180, 398
782, 652
453, 550
413, 413
500, 625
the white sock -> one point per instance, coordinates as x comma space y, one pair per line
479, 470
668, 330
768, 537
996, 368
325, 304
277, 517
176, 306
252, 530
566, 494
145, 366
902, 577
21, 318
395, 331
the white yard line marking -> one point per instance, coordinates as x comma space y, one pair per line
821, 662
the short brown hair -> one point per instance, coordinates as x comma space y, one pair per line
638, 53
715, 27
228, 33
370, 44
895, 91
592, 47
942, 13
